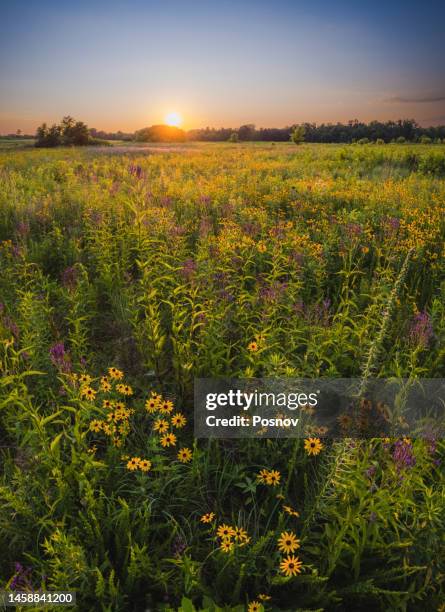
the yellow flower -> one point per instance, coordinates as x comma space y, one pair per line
264, 597
160, 425
119, 406
262, 247
133, 464
96, 425
184, 455
262, 476
288, 542
226, 545
151, 405
252, 346
225, 531
85, 379
105, 385
115, 373
88, 393
313, 446
241, 535
255, 606
290, 511
107, 404
291, 566
166, 407
168, 439
207, 518
144, 465
273, 478
178, 420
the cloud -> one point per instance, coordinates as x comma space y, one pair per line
420, 99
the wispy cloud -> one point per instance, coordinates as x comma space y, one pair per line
419, 99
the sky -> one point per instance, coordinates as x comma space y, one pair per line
125, 64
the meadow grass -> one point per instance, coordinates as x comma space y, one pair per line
123, 276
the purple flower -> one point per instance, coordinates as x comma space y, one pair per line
60, 358
69, 277
421, 330
136, 171
403, 455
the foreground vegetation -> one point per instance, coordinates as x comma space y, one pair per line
123, 277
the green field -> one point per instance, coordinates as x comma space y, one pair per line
124, 275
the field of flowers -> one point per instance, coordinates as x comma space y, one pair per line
123, 276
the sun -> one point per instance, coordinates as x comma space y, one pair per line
173, 119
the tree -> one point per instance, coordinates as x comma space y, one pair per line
247, 132
68, 132
298, 134
233, 137
160, 133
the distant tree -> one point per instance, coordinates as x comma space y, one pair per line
425, 140
160, 133
68, 132
380, 141
401, 140
233, 137
246, 132
298, 134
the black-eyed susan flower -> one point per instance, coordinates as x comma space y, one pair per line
241, 535
313, 446
273, 478
85, 379
107, 404
109, 430
133, 464
165, 407
115, 373
160, 425
255, 606
225, 531
144, 465
119, 405
262, 476
226, 545
288, 542
264, 597
95, 425
151, 405
290, 511
88, 393
184, 455
169, 439
178, 420
252, 346
261, 247
291, 566
207, 518
105, 386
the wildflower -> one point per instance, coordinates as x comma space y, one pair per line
95, 425
107, 404
273, 478
262, 476
252, 347
261, 247
421, 330
144, 465
115, 373
88, 393
403, 455
168, 439
151, 405
85, 379
225, 531
105, 384
124, 389
157, 397
184, 455
291, 566
133, 464
166, 407
255, 606
290, 511
264, 597
161, 426
119, 406
60, 358
313, 446
207, 518
109, 430
241, 535
178, 420
288, 542
226, 545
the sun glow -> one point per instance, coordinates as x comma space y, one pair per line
173, 119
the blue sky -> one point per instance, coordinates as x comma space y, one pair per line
125, 64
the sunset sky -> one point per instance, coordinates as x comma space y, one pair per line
126, 64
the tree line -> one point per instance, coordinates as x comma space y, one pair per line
71, 132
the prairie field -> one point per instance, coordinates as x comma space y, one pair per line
124, 275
